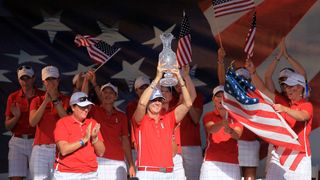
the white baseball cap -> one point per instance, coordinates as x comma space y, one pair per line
243, 72
114, 88
140, 81
295, 79
156, 93
25, 71
80, 99
286, 72
50, 71
218, 89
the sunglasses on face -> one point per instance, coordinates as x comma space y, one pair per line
23, 67
82, 99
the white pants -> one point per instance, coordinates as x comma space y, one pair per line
178, 170
248, 153
192, 160
278, 172
109, 169
219, 170
152, 175
41, 162
19, 156
57, 175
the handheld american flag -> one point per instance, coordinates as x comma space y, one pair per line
99, 51
254, 110
184, 52
225, 7
249, 45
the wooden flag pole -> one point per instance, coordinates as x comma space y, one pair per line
107, 60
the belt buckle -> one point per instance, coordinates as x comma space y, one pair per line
164, 170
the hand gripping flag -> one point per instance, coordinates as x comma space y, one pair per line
184, 52
225, 7
99, 51
254, 110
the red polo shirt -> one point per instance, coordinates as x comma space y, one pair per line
155, 141
22, 126
84, 159
190, 132
302, 129
220, 146
131, 108
47, 123
113, 127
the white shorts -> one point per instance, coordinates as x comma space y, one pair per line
109, 169
178, 170
57, 175
248, 153
19, 156
219, 170
41, 162
152, 175
278, 172
192, 160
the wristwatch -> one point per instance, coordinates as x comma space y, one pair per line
56, 101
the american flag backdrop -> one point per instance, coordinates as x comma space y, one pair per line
40, 33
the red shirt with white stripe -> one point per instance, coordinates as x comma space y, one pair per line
22, 126
190, 133
155, 141
113, 127
220, 146
47, 123
82, 160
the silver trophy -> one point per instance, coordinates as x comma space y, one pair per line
167, 61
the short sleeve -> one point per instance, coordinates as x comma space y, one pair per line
60, 132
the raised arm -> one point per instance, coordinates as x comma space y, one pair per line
144, 99
257, 81
91, 78
221, 68
293, 62
270, 70
181, 110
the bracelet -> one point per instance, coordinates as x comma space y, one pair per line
220, 62
95, 140
81, 142
56, 101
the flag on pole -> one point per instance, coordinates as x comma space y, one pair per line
249, 45
254, 110
99, 51
184, 51
225, 7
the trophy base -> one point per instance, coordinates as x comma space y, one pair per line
167, 82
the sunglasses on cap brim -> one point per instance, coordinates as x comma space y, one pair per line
23, 67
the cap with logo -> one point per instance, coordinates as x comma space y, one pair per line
25, 71
113, 87
50, 71
156, 93
295, 79
140, 81
217, 89
80, 99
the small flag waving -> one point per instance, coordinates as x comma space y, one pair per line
249, 45
99, 51
254, 111
225, 7
184, 52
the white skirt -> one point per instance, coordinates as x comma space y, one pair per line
248, 153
